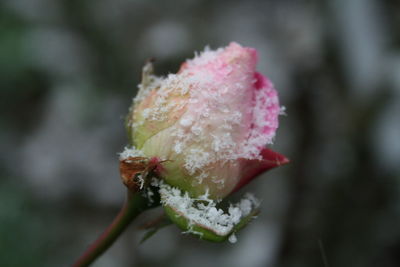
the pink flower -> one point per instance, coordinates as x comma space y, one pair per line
209, 123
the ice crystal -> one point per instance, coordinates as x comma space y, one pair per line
130, 152
203, 211
217, 109
232, 238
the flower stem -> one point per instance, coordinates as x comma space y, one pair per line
133, 206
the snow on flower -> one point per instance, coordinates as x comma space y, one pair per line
199, 135
204, 212
210, 121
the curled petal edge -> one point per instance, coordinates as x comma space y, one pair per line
253, 168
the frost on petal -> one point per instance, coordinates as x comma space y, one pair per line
216, 111
130, 152
264, 116
159, 104
217, 119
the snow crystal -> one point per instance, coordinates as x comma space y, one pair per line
222, 143
232, 238
205, 56
203, 211
196, 130
186, 122
141, 181
178, 147
199, 178
282, 111
224, 120
130, 152
148, 193
153, 82
171, 86
196, 158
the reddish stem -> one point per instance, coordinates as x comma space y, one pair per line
133, 206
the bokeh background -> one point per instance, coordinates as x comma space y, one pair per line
68, 72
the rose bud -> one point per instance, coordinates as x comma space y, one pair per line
208, 125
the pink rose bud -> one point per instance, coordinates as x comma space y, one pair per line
209, 123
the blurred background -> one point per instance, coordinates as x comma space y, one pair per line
68, 72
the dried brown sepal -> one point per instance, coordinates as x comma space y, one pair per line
134, 172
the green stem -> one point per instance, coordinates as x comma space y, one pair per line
133, 206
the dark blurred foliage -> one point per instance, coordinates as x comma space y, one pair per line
68, 72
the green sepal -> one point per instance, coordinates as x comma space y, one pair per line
155, 228
147, 72
205, 233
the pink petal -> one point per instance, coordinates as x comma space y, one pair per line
253, 168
